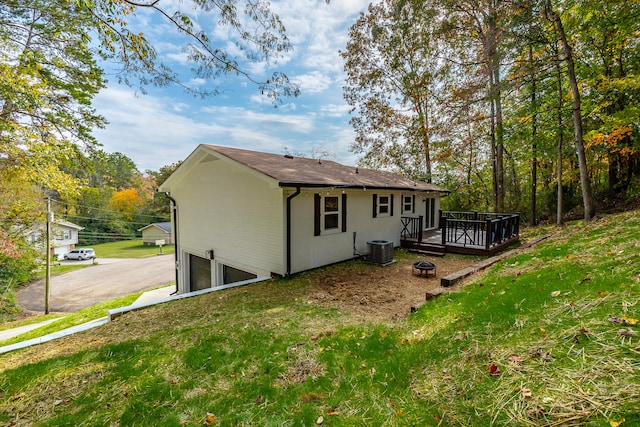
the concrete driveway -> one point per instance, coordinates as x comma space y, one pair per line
108, 279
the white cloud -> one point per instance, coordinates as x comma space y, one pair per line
313, 82
333, 110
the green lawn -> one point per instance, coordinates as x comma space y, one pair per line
129, 249
548, 337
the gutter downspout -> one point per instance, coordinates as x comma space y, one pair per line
291, 196
175, 235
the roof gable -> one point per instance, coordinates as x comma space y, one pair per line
164, 226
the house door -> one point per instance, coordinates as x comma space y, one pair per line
199, 273
430, 214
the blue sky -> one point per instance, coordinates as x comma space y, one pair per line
166, 124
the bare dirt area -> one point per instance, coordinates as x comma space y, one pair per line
382, 292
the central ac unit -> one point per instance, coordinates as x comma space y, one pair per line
380, 252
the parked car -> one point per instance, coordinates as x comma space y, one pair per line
84, 253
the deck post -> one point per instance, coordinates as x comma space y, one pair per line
488, 238
443, 224
420, 224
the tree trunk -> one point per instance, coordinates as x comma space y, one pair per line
492, 59
589, 208
534, 144
559, 219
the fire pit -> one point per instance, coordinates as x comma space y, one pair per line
425, 266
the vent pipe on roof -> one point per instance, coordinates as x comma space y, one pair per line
288, 156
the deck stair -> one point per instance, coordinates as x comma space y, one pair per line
425, 248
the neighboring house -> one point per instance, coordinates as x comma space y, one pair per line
157, 231
64, 237
243, 215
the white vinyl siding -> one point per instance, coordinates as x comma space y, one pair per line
239, 215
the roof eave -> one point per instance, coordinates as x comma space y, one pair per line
358, 186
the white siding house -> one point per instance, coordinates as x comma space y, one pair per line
64, 237
243, 215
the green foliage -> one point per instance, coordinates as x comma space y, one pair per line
18, 269
482, 55
14, 270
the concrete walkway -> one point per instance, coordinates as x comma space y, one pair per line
11, 333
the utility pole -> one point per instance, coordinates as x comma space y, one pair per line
48, 268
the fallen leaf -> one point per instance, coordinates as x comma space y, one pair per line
615, 319
555, 293
259, 399
629, 320
436, 417
494, 371
400, 412
627, 333
320, 420
526, 393
210, 419
616, 423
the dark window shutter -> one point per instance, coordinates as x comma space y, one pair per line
316, 214
344, 213
391, 208
375, 205
413, 204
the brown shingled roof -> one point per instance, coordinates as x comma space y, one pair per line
294, 171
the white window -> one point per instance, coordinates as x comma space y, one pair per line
407, 204
383, 205
331, 213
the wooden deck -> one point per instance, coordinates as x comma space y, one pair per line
464, 233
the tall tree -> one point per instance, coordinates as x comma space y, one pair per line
567, 49
391, 79
49, 78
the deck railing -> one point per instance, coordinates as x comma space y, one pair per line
412, 228
474, 229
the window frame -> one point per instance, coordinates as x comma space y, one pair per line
321, 213
408, 203
324, 213
378, 206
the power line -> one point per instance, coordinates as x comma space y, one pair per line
104, 219
99, 209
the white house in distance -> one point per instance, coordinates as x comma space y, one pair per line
156, 231
244, 215
64, 237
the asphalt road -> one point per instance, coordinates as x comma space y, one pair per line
108, 279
